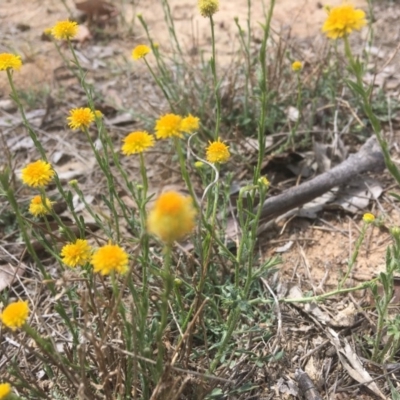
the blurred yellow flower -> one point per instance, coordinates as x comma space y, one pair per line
15, 315
38, 209
9, 61
5, 390
109, 258
80, 118
264, 181
98, 114
37, 174
172, 217
137, 142
78, 253
199, 164
208, 7
169, 125
217, 152
140, 51
342, 20
190, 124
297, 66
65, 30
368, 218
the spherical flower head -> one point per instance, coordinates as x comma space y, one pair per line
140, 51
217, 152
37, 208
137, 142
80, 118
342, 20
9, 61
65, 30
78, 253
109, 258
368, 218
297, 66
37, 174
15, 315
208, 7
190, 124
5, 390
169, 125
172, 217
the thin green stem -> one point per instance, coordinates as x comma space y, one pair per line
213, 64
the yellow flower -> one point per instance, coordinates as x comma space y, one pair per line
38, 209
368, 218
140, 51
217, 152
264, 181
297, 66
98, 114
15, 315
342, 20
78, 253
208, 7
108, 258
5, 390
199, 164
169, 125
190, 124
37, 174
9, 61
137, 142
172, 217
66, 30
80, 118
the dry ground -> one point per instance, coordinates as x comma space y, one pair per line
321, 246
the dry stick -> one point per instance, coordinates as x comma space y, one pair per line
368, 158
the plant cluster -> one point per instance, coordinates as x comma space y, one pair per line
138, 311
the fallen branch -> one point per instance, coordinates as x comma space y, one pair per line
368, 158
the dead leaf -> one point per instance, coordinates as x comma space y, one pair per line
8, 274
352, 363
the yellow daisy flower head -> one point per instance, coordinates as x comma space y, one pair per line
78, 253
217, 152
38, 209
15, 315
137, 142
37, 174
368, 218
5, 390
80, 118
109, 258
297, 66
140, 51
172, 217
9, 61
342, 20
65, 30
208, 7
190, 124
169, 125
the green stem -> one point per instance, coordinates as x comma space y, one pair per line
324, 296
216, 85
264, 94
